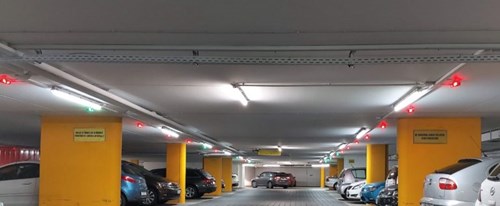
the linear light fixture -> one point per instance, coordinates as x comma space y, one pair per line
242, 97
361, 132
412, 97
271, 165
342, 145
320, 165
279, 148
227, 153
75, 98
168, 131
207, 146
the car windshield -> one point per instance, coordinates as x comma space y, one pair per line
359, 173
460, 165
140, 170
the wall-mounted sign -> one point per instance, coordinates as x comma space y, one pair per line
89, 135
351, 161
269, 152
430, 137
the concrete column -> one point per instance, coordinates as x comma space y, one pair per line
376, 163
176, 168
213, 165
227, 173
80, 151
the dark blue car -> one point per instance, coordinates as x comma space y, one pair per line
370, 192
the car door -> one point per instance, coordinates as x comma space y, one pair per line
17, 186
262, 179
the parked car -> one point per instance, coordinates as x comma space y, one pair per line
159, 189
353, 192
388, 196
370, 192
457, 184
19, 184
236, 181
271, 180
488, 194
198, 182
293, 181
348, 176
331, 182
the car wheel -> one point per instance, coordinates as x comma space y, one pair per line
335, 186
345, 196
254, 184
270, 185
151, 198
191, 192
123, 200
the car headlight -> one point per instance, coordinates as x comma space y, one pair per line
372, 189
357, 186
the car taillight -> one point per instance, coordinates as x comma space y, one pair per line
208, 181
128, 179
277, 178
447, 184
288, 178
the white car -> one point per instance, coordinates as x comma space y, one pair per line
236, 181
331, 182
354, 190
489, 194
19, 183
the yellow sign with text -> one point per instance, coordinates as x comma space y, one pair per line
269, 152
430, 137
89, 135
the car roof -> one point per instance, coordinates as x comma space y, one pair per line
21, 162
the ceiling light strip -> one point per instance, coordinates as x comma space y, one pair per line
75, 98
249, 60
323, 84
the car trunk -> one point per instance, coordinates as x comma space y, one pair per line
431, 186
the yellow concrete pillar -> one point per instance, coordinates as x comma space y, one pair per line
340, 166
376, 163
461, 139
79, 152
322, 177
213, 165
333, 171
227, 173
176, 168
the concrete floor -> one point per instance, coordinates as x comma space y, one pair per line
300, 196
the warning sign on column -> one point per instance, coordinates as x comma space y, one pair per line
89, 135
430, 137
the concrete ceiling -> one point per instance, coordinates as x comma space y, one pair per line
307, 121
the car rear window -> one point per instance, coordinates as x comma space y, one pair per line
460, 165
359, 173
496, 171
206, 174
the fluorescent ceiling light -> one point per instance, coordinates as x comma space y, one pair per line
242, 97
320, 165
208, 146
248, 165
169, 132
227, 153
411, 98
361, 133
342, 145
75, 98
270, 165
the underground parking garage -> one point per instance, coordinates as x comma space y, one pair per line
249, 103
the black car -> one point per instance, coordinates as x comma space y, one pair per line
198, 181
159, 189
389, 195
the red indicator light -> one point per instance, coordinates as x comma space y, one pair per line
383, 124
410, 109
456, 82
189, 141
216, 150
367, 137
139, 125
6, 79
342, 151
356, 141
348, 148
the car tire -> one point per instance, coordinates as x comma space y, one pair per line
123, 200
192, 192
254, 184
270, 185
152, 197
345, 195
335, 186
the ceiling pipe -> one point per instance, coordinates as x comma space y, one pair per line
62, 77
128, 47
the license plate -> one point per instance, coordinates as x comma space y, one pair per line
144, 193
178, 192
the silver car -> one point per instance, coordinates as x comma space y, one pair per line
489, 194
348, 176
457, 184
